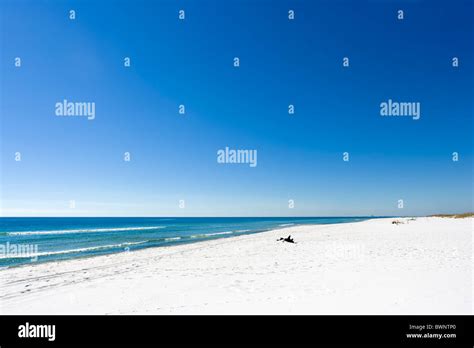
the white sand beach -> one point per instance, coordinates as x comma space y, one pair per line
422, 266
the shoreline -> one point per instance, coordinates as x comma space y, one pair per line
35, 263
367, 267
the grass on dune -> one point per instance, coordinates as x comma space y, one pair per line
456, 216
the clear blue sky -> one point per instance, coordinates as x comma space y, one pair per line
190, 62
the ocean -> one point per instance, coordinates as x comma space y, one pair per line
27, 240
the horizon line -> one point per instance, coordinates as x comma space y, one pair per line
225, 217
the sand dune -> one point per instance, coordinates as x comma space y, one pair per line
371, 267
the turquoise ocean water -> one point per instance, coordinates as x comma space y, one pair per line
27, 240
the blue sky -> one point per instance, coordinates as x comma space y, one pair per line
190, 62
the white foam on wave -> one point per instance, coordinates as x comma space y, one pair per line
210, 234
92, 230
283, 225
172, 238
218, 233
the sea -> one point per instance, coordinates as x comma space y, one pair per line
32, 240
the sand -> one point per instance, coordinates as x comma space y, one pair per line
422, 266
